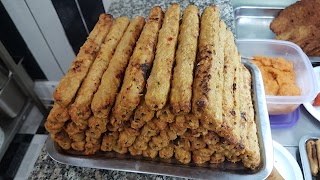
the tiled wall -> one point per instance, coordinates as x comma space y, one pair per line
49, 33
14, 43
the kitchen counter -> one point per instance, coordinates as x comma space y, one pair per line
46, 168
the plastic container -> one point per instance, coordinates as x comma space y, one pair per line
284, 120
305, 76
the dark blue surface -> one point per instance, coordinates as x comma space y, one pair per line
285, 120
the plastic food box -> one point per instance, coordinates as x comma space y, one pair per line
305, 76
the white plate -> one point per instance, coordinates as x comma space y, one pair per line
285, 163
313, 110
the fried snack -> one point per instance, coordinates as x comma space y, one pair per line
134, 152
202, 155
138, 69
217, 158
52, 125
305, 36
72, 128
251, 157
104, 98
80, 109
211, 138
141, 143
167, 152
119, 149
201, 130
181, 91
109, 141
78, 145
177, 129
301, 13
158, 84
197, 143
150, 153
66, 90
59, 113
62, 139
161, 125
92, 148
172, 135
230, 128
142, 115
127, 137
77, 135
92, 134
318, 150
312, 157
161, 140
56, 118
99, 124
299, 23
165, 114
208, 81
182, 155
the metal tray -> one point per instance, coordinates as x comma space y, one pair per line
252, 22
303, 154
171, 167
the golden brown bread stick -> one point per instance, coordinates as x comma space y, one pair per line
230, 128
99, 124
312, 157
62, 139
318, 150
158, 84
59, 113
139, 65
141, 115
150, 153
208, 81
251, 157
104, 98
109, 141
66, 90
181, 91
80, 109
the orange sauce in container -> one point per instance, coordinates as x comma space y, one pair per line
278, 76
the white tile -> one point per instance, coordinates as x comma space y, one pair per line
31, 156
106, 4
47, 18
32, 35
31, 124
45, 89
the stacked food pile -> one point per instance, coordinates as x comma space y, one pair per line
159, 88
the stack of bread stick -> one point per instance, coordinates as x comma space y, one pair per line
159, 88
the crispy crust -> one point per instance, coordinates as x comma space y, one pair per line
181, 91
208, 84
104, 98
80, 109
158, 84
251, 157
138, 69
66, 90
312, 157
142, 115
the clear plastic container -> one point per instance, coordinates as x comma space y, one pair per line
305, 76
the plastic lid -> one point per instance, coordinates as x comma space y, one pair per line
285, 120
